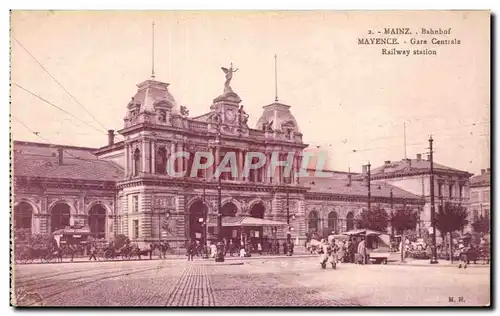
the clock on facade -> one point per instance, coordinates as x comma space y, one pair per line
230, 115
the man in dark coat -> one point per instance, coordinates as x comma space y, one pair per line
190, 249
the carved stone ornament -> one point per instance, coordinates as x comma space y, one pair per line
184, 111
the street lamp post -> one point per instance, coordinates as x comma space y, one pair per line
369, 188
220, 251
205, 224
433, 209
288, 212
392, 213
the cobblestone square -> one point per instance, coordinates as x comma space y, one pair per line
253, 282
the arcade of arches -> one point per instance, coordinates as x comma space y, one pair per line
333, 224
196, 218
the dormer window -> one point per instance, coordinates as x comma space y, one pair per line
162, 117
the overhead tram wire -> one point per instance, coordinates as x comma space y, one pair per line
416, 144
50, 143
57, 81
399, 135
59, 108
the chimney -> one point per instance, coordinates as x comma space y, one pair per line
349, 177
111, 137
483, 171
419, 157
60, 155
365, 169
387, 162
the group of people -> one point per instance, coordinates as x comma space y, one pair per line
352, 250
229, 247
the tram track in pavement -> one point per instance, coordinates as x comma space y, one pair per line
30, 287
114, 275
38, 277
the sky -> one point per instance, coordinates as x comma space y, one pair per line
348, 99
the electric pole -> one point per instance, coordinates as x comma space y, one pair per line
433, 209
392, 212
220, 246
369, 188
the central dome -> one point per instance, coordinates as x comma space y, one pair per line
151, 93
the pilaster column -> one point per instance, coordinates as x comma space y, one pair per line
278, 170
217, 158
181, 160
272, 176
153, 157
132, 171
265, 172
171, 159
143, 156
240, 165
295, 168
127, 160
299, 167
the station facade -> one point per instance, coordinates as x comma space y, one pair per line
125, 187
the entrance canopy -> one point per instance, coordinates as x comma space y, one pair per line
366, 232
247, 221
72, 231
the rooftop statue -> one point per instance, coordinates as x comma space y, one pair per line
229, 76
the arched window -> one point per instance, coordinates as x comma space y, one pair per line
332, 222
137, 161
312, 221
350, 221
161, 160
59, 216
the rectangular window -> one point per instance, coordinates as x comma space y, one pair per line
135, 228
486, 196
450, 187
474, 196
440, 189
460, 191
135, 204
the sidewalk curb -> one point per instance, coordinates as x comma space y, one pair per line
172, 259
447, 265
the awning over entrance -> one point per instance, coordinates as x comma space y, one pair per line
366, 232
72, 231
247, 221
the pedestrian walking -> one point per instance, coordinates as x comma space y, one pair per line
231, 247
463, 256
72, 251
362, 251
93, 253
341, 252
213, 250
190, 250
326, 254
285, 248
243, 253
259, 248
